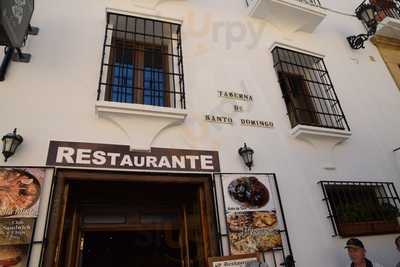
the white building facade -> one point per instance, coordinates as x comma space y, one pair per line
162, 80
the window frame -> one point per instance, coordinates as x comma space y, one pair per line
317, 84
147, 32
138, 90
372, 212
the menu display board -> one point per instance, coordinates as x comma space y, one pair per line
20, 191
251, 217
233, 261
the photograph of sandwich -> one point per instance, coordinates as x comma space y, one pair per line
13, 255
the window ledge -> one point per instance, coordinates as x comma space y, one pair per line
140, 123
302, 131
140, 110
294, 15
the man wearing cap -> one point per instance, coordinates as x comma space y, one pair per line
397, 242
357, 253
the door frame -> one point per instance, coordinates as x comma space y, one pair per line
65, 176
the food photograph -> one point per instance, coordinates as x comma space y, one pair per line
251, 232
14, 255
247, 193
19, 193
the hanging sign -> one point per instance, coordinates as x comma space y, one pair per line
233, 261
251, 217
15, 16
120, 157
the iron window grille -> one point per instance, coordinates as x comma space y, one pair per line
361, 208
308, 90
142, 62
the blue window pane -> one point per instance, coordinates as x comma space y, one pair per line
122, 83
153, 87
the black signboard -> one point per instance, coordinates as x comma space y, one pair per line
15, 17
108, 156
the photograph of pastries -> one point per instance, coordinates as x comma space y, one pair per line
248, 243
19, 190
245, 245
13, 256
264, 219
253, 231
268, 241
239, 220
248, 192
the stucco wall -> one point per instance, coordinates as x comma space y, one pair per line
53, 98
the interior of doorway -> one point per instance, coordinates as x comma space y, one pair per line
136, 224
119, 248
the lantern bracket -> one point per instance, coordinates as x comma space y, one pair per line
21, 57
33, 30
367, 14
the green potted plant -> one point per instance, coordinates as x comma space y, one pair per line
366, 218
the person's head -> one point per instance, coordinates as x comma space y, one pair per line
397, 242
356, 250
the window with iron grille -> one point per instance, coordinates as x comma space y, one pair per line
362, 208
142, 62
308, 90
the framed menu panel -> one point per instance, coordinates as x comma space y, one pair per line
251, 217
21, 191
233, 261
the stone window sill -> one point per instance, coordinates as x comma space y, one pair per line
305, 131
140, 123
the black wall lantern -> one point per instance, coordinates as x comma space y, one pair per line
247, 155
11, 142
367, 14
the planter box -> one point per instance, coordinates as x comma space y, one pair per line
368, 228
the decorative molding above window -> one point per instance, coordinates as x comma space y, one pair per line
358, 208
140, 123
295, 15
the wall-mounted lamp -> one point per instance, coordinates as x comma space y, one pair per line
247, 155
367, 13
11, 142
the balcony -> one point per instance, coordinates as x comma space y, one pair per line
293, 15
388, 17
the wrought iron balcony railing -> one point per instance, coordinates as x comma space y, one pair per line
387, 8
384, 8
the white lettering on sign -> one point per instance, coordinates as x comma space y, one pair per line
87, 156
118, 156
65, 153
